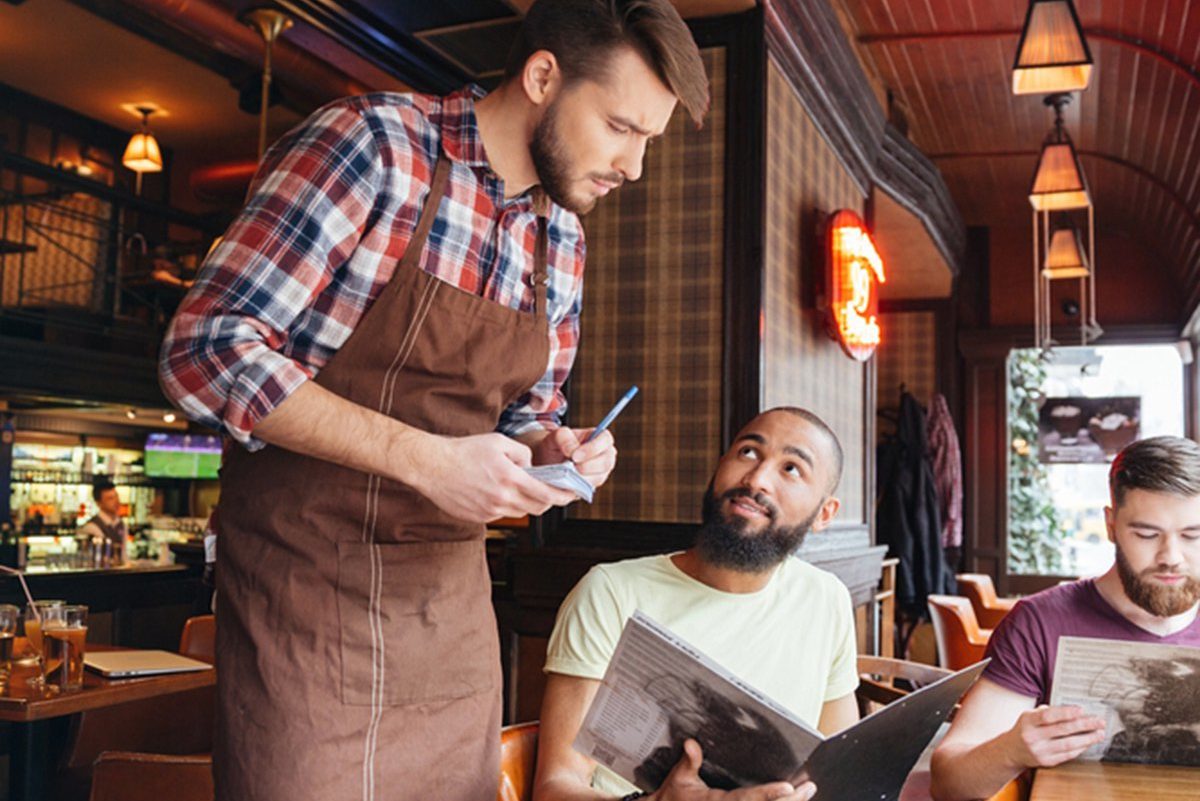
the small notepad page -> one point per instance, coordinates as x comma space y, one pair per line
564, 476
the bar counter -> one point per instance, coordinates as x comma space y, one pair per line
135, 606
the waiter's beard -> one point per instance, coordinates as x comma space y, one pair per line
554, 168
724, 542
1157, 599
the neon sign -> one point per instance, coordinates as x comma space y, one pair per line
853, 276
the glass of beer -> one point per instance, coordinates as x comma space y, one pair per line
9, 615
33, 623
64, 631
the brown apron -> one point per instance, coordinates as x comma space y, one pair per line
356, 643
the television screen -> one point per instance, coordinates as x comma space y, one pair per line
182, 456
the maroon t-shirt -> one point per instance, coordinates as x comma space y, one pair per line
1025, 644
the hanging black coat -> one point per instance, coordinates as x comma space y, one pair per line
906, 516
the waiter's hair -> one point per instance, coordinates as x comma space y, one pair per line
835, 445
1157, 464
100, 487
584, 35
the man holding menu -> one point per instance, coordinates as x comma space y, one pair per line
386, 328
778, 623
1151, 595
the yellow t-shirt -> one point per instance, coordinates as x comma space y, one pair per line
793, 640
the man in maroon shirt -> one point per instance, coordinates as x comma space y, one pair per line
1150, 595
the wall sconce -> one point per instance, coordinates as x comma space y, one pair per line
142, 154
1052, 55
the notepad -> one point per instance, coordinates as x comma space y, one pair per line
564, 476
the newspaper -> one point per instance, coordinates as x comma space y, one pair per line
658, 691
1148, 695
564, 476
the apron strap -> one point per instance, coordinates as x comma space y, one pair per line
437, 190
541, 270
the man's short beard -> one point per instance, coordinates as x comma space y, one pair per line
551, 164
1158, 600
725, 543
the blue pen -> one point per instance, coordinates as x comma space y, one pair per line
612, 414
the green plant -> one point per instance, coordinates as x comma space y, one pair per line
1034, 532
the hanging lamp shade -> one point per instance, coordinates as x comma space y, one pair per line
1058, 182
142, 153
1065, 258
1052, 55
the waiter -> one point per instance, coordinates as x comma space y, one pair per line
386, 328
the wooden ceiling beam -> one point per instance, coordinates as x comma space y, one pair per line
1155, 52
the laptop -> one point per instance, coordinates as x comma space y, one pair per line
129, 664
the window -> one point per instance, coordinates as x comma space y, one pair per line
1058, 473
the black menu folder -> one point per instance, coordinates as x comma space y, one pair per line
660, 690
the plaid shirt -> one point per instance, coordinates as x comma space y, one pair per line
329, 215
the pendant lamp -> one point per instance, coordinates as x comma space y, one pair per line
1052, 55
142, 154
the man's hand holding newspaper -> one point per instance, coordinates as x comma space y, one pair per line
683, 783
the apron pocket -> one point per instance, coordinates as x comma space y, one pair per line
416, 622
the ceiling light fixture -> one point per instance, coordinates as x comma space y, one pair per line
270, 23
1058, 182
142, 154
1059, 188
1052, 54
169, 417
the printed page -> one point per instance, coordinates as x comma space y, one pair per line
1148, 695
659, 690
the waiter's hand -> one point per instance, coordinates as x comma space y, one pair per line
594, 461
480, 478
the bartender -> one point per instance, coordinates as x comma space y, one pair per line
385, 330
106, 526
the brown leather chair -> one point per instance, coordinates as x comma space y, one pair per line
199, 638
1016, 790
123, 776
180, 723
960, 640
882, 680
518, 755
989, 610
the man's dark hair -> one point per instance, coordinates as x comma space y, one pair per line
839, 458
584, 35
1157, 464
100, 487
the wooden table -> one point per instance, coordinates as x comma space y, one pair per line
1115, 781
31, 716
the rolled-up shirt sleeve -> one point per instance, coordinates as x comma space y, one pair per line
224, 358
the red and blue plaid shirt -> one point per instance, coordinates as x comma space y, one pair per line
329, 215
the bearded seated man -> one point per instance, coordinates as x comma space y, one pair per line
738, 594
1149, 595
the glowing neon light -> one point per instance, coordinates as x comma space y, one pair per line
854, 273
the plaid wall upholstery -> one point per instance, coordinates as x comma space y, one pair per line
652, 317
906, 356
802, 366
